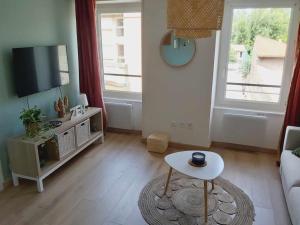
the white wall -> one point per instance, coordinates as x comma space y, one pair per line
214, 82
182, 95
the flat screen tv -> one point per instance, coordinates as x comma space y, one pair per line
39, 69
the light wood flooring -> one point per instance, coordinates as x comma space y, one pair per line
101, 186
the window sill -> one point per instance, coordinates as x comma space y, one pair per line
123, 95
265, 112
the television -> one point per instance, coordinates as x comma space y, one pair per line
39, 69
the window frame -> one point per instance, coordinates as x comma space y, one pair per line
224, 43
117, 7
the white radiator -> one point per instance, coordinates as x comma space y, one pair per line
244, 129
119, 115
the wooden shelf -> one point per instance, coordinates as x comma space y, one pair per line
96, 134
48, 165
52, 167
24, 152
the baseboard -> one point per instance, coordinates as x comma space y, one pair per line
124, 131
7, 183
187, 146
181, 146
243, 147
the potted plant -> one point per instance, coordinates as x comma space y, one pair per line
31, 119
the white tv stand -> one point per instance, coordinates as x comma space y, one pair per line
36, 158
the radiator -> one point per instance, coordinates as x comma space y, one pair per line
244, 129
119, 115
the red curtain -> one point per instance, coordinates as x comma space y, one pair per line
292, 115
88, 56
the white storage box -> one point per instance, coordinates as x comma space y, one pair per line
66, 142
82, 132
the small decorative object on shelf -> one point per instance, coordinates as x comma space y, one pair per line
55, 123
61, 106
198, 159
84, 100
76, 111
31, 119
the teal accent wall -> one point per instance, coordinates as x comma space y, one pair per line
33, 23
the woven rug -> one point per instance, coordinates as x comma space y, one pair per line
183, 204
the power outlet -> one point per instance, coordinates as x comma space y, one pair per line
173, 124
182, 125
190, 125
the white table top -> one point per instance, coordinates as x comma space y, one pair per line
213, 169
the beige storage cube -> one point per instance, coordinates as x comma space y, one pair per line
157, 142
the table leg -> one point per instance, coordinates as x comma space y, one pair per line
212, 184
39, 184
168, 180
15, 179
205, 202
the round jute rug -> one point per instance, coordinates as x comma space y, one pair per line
184, 202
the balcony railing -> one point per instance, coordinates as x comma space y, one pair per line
122, 75
253, 85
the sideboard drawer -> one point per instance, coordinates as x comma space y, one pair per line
66, 142
83, 132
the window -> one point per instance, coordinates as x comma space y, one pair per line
256, 52
121, 50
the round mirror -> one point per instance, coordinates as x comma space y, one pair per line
177, 51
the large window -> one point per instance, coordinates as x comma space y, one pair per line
121, 51
256, 56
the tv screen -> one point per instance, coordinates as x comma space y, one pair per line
39, 69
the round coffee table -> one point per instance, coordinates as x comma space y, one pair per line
180, 162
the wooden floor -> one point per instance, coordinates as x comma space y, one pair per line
101, 187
